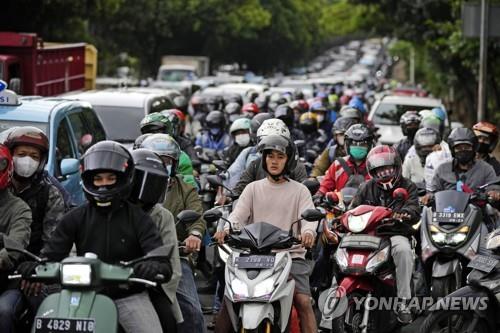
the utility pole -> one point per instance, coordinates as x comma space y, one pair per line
412, 65
483, 58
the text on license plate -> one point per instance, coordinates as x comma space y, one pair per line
52, 325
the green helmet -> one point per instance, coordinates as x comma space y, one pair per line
156, 123
164, 145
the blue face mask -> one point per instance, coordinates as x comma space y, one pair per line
357, 152
214, 131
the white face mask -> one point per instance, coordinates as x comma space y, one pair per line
242, 139
25, 166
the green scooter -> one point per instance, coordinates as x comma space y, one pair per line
78, 307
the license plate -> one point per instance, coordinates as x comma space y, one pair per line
357, 259
53, 325
483, 263
254, 262
441, 217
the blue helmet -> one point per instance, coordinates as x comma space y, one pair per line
358, 104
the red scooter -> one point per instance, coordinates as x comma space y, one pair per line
365, 271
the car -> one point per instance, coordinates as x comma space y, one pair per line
385, 114
121, 110
71, 127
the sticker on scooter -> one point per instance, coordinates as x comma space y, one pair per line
74, 301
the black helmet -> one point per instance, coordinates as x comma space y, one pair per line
358, 133
409, 122
233, 98
107, 156
233, 111
164, 145
140, 139
350, 112
259, 119
342, 124
150, 179
215, 102
424, 140
459, 136
285, 113
279, 143
215, 119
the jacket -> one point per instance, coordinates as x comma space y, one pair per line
185, 168
236, 169
323, 161
15, 222
205, 140
447, 176
188, 147
403, 146
491, 160
336, 177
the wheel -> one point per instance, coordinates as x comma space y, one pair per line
453, 322
443, 286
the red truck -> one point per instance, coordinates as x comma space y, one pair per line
34, 67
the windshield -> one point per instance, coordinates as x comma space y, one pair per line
120, 123
451, 201
175, 75
389, 114
6, 124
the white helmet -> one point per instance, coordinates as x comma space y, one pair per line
240, 124
273, 127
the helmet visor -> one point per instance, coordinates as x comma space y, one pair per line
105, 160
148, 187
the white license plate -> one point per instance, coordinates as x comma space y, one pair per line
55, 325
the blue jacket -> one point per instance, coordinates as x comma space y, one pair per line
205, 140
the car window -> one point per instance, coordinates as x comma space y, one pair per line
79, 128
120, 123
63, 146
389, 114
160, 104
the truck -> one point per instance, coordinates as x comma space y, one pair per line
33, 67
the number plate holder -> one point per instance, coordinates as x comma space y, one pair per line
441, 217
53, 325
483, 263
254, 262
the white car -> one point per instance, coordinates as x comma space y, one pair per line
386, 112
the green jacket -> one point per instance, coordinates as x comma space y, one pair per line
182, 196
185, 168
15, 222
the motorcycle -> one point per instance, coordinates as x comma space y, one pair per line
210, 164
483, 286
258, 293
450, 234
366, 270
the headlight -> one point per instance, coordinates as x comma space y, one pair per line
453, 238
341, 258
76, 274
358, 223
379, 257
439, 237
264, 288
239, 288
456, 238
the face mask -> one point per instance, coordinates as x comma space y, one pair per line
357, 152
25, 166
483, 148
215, 131
411, 132
464, 156
242, 140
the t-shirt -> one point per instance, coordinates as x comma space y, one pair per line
445, 178
277, 204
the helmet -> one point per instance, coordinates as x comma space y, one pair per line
350, 112
250, 108
459, 136
6, 167
150, 178
233, 98
285, 113
273, 127
484, 128
317, 106
29, 136
300, 105
181, 103
356, 134
233, 111
164, 145
342, 124
279, 143
308, 122
384, 166
439, 112
407, 119
357, 104
214, 102
259, 119
138, 141
177, 118
156, 123
198, 102
215, 119
241, 124
431, 121
261, 102
107, 156
424, 140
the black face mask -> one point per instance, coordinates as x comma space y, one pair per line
483, 148
411, 132
465, 156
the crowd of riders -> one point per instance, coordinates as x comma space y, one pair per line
263, 147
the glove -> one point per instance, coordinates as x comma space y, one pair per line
149, 269
318, 198
27, 268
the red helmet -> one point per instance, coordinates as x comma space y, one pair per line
488, 129
6, 167
384, 165
300, 105
251, 108
29, 136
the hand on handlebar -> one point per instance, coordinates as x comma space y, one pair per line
192, 244
307, 239
426, 199
219, 236
494, 195
401, 215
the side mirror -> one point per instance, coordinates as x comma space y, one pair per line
219, 164
312, 185
69, 166
400, 194
187, 216
214, 180
212, 215
12, 245
312, 215
311, 155
299, 143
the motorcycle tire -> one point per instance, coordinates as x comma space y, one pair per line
443, 286
457, 322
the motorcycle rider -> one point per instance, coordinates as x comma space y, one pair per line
181, 196
299, 107
148, 191
487, 137
278, 200
177, 118
14, 223
114, 229
215, 136
413, 166
315, 137
285, 113
232, 111
240, 131
321, 112
384, 166
409, 122
250, 110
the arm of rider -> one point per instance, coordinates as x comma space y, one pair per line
494, 195
307, 239
197, 229
240, 216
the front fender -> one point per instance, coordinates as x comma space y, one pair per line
445, 268
252, 314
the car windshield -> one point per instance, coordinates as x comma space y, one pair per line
175, 75
6, 124
389, 114
120, 123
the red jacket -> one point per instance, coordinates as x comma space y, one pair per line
336, 177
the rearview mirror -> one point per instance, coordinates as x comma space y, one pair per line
299, 143
219, 164
214, 180
400, 194
212, 215
12, 245
312, 215
312, 185
69, 166
188, 216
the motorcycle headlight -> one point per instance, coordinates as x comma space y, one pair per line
439, 237
379, 258
341, 258
452, 238
456, 238
239, 288
357, 223
264, 288
76, 274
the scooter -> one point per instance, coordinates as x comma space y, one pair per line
79, 307
258, 293
366, 270
483, 290
451, 232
